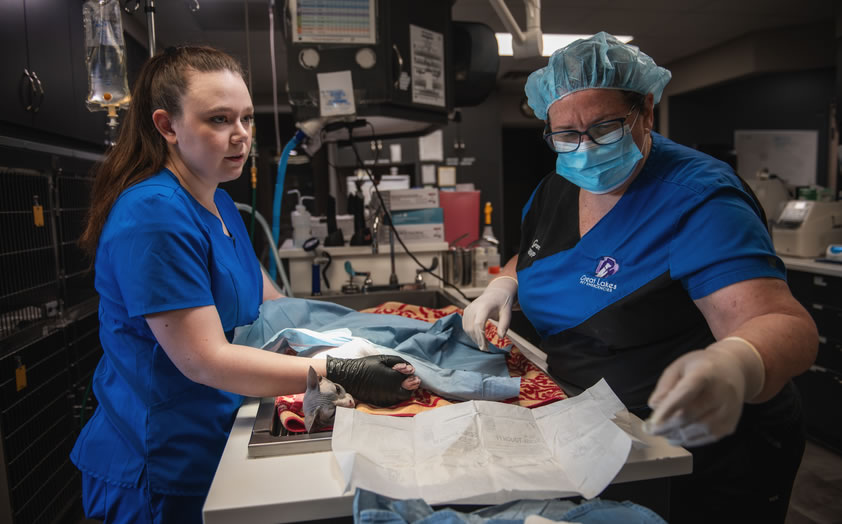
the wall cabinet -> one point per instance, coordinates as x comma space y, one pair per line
821, 385
43, 78
16, 88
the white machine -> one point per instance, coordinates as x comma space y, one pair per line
772, 193
806, 227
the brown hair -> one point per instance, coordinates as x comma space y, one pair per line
634, 99
141, 151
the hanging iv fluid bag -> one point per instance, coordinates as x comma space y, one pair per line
105, 55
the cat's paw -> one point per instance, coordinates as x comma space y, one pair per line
404, 367
412, 383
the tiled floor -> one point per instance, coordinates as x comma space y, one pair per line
817, 494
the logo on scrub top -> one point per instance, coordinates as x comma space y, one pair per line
606, 267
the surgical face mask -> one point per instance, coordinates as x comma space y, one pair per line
600, 169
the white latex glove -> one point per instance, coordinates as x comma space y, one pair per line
700, 396
495, 303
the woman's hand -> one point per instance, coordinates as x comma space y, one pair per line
700, 396
495, 302
382, 380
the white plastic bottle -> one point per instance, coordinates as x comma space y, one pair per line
480, 267
493, 262
301, 227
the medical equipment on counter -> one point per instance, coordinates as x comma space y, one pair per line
335, 235
458, 266
279, 190
301, 227
395, 61
480, 266
307, 131
351, 287
772, 193
105, 56
806, 227
493, 261
833, 253
487, 238
321, 263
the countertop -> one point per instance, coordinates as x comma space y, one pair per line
309, 486
352, 251
810, 265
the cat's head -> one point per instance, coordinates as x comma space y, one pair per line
320, 401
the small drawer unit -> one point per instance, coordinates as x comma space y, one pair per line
816, 288
821, 391
821, 386
830, 353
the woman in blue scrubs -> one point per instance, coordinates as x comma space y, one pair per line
647, 263
176, 274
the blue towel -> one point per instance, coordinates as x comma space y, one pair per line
374, 508
446, 359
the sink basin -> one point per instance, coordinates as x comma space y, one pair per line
432, 298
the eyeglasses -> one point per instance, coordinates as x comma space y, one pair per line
602, 133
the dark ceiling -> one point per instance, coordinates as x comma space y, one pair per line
667, 30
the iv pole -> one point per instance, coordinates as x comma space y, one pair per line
149, 8
150, 25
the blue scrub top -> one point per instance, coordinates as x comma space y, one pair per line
618, 302
160, 250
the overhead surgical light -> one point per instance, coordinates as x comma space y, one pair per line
551, 42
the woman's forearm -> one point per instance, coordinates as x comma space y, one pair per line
254, 372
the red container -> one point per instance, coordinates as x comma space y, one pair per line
461, 216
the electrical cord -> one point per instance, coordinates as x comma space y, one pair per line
389, 216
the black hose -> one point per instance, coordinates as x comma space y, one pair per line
324, 269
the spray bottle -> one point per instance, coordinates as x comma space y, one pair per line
493, 248
487, 238
105, 56
486, 254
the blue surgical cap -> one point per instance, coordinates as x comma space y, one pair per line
600, 62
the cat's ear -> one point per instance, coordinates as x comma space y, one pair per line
312, 379
309, 421
323, 416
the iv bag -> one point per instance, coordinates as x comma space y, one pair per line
105, 55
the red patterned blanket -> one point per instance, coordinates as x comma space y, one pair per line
536, 388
